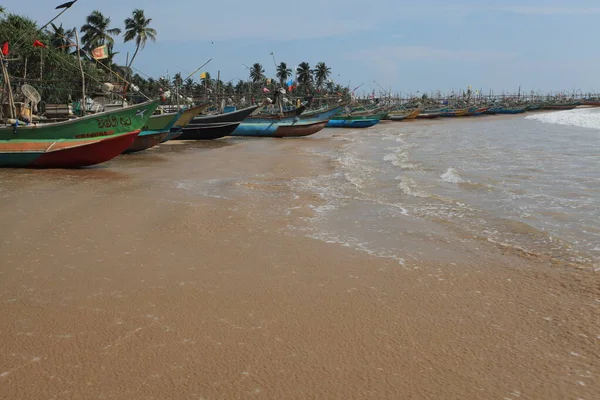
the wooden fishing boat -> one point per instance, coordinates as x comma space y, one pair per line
590, 102
322, 115
352, 123
403, 115
299, 130
209, 127
184, 119
284, 127
357, 121
455, 112
480, 111
156, 130
513, 110
430, 114
561, 106
535, 107
77, 142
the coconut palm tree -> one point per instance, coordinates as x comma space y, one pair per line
96, 31
177, 79
137, 28
60, 38
304, 74
207, 81
321, 73
257, 73
283, 73
1, 10
188, 86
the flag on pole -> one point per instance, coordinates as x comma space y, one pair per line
203, 75
5, 49
37, 43
100, 53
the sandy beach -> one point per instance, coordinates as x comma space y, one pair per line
132, 280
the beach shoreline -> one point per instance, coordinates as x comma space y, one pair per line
175, 274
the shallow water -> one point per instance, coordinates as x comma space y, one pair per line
532, 183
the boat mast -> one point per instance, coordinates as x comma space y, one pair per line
82, 73
11, 102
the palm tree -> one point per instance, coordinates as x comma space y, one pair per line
207, 81
1, 10
177, 80
60, 38
96, 31
137, 28
304, 75
321, 73
257, 73
283, 73
188, 86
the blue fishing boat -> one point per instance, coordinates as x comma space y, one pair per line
352, 122
517, 110
278, 127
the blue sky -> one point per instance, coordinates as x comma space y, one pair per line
408, 46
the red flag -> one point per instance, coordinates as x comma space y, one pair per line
37, 43
5, 49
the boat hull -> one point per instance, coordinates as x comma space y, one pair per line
208, 131
174, 133
287, 127
63, 153
352, 123
210, 127
300, 129
146, 140
94, 126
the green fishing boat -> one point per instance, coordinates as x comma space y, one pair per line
78, 142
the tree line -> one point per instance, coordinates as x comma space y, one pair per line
51, 70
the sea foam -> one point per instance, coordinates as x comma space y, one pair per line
451, 176
584, 118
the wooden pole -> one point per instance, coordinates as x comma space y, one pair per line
11, 103
82, 74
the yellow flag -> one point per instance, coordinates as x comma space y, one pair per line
203, 75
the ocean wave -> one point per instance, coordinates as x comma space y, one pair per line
452, 176
583, 118
410, 187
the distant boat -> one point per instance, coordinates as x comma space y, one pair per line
430, 114
209, 127
455, 112
513, 110
356, 121
561, 106
78, 142
403, 115
590, 102
323, 114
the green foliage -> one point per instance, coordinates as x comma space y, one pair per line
56, 67
257, 73
138, 28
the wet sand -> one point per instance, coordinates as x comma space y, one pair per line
127, 281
